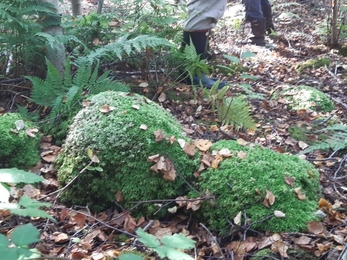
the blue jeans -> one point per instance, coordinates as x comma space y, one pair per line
253, 9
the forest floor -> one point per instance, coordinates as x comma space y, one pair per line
276, 68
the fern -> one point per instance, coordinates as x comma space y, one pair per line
336, 141
62, 95
235, 112
124, 46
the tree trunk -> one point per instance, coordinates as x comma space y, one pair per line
55, 55
333, 37
76, 7
100, 5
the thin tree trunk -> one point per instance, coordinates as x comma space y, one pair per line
76, 7
334, 34
56, 55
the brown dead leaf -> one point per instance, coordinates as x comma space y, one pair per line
159, 135
31, 132
153, 158
302, 145
119, 196
172, 139
237, 219
189, 149
136, 107
203, 145
217, 160
60, 237
315, 227
80, 220
194, 205
269, 199
106, 109
242, 155
242, 142
280, 247
300, 195
143, 127
164, 166
129, 223
289, 181
267, 241
162, 97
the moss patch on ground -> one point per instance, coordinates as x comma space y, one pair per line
241, 184
305, 97
123, 138
18, 149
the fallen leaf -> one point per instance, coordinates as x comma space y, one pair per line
279, 214
119, 196
300, 195
30, 132
237, 219
203, 145
289, 181
189, 149
242, 142
269, 199
159, 135
143, 127
162, 97
302, 145
137, 107
242, 155
143, 85
315, 227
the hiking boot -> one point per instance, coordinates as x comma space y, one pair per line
258, 31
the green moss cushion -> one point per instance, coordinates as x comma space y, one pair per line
306, 97
17, 148
240, 184
122, 139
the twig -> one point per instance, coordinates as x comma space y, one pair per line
342, 255
103, 223
214, 240
67, 185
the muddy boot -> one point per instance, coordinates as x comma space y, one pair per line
267, 12
200, 42
258, 31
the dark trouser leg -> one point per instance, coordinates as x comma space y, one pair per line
200, 41
267, 12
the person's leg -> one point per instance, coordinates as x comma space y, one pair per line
255, 16
267, 12
203, 16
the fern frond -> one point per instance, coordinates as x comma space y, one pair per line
235, 112
337, 139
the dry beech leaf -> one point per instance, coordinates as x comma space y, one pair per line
119, 196
106, 109
60, 237
181, 142
153, 158
162, 97
242, 142
237, 219
242, 155
203, 145
189, 149
289, 181
137, 107
159, 135
300, 195
279, 214
225, 152
194, 205
80, 220
281, 248
217, 159
30, 132
143, 85
143, 127
315, 227
172, 210
302, 145
269, 199
172, 139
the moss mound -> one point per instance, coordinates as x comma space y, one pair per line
122, 143
305, 97
18, 149
241, 185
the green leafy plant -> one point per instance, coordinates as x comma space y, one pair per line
16, 247
232, 111
337, 139
168, 246
63, 95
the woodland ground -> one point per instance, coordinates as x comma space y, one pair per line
101, 235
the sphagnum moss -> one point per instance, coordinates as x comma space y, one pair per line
241, 185
122, 143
